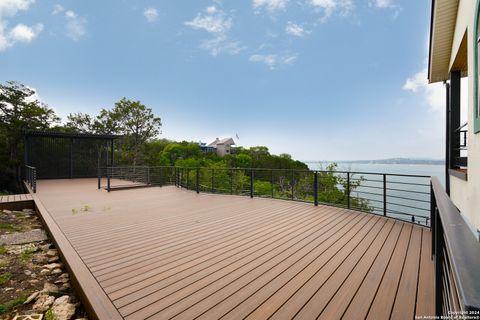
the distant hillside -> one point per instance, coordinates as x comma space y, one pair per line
401, 161
392, 161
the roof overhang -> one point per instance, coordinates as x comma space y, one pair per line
56, 134
442, 28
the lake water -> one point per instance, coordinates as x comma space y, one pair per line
405, 196
415, 169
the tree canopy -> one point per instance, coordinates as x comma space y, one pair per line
20, 110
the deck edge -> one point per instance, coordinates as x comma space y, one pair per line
96, 302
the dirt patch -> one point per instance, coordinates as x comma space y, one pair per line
32, 278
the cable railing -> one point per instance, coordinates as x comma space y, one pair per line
460, 145
403, 197
456, 253
31, 177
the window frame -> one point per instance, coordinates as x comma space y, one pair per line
476, 42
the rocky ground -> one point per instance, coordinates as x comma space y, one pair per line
33, 281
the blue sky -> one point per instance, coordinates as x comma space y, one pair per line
319, 79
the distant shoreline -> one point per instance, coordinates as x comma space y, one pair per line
385, 161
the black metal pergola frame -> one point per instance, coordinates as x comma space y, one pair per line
63, 155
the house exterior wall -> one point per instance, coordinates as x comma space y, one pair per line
223, 149
466, 194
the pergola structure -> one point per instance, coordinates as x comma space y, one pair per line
59, 155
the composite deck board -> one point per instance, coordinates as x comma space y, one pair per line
162, 253
265, 259
198, 238
15, 198
217, 254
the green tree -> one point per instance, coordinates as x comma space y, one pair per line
331, 192
137, 123
104, 123
243, 160
20, 110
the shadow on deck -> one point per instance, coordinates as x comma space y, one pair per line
161, 253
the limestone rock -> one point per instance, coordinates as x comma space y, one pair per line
57, 271
53, 259
65, 287
43, 303
52, 253
52, 266
62, 309
32, 316
44, 271
32, 297
50, 287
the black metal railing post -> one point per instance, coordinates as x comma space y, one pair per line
160, 174
108, 178
148, 175
251, 183
433, 209
348, 190
99, 178
197, 182
181, 177
385, 195
293, 181
213, 180
231, 180
315, 188
188, 177
34, 173
272, 184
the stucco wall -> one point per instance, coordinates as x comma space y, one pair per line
466, 194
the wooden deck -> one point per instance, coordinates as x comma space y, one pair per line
163, 253
16, 202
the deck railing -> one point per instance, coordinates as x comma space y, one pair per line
404, 197
456, 253
460, 145
31, 177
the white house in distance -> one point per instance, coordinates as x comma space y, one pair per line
455, 54
221, 146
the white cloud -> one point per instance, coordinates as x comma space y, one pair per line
217, 23
273, 60
433, 94
220, 45
386, 4
20, 33
211, 10
151, 14
23, 33
270, 5
296, 30
11, 7
214, 21
57, 9
329, 7
76, 25
382, 4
